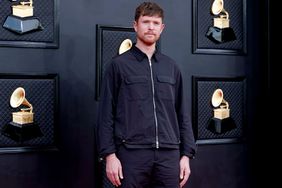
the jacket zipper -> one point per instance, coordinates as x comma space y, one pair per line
154, 104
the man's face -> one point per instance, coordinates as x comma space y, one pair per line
148, 29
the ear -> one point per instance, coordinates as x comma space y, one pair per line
135, 26
162, 28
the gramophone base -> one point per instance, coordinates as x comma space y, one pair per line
218, 35
20, 133
22, 25
219, 126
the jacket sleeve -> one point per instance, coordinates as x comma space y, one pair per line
106, 113
187, 140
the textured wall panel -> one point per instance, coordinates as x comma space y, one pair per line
45, 11
203, 19
41, 92
234, 93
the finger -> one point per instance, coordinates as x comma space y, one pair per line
111, 177
183, 181
181, 173
120, 173
117, 181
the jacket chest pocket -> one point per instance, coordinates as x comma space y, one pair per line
137, 87
165, 87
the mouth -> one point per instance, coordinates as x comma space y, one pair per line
150, 34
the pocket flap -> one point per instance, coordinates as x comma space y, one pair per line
136, 79
166, 79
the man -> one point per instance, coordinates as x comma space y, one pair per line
144, 129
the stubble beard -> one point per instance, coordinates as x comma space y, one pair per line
149, 42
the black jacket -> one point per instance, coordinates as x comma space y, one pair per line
139, 114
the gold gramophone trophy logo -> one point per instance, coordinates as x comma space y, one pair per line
22, 19
25, 115
221, 121
22, 127
221, 107
220, 31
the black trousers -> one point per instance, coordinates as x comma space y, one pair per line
149, 168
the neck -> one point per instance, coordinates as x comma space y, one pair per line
147, 49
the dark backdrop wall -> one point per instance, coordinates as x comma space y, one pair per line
75, 164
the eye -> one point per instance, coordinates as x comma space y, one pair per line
157, 23
146, 21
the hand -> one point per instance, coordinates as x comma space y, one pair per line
185, 170
114, 169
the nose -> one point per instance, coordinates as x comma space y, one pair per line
151, 26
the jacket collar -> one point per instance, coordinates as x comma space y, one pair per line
139, 55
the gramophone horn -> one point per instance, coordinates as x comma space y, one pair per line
217, 97
218, 100
18, 98
217, 7
124, 46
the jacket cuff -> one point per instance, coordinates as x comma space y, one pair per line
190, 154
